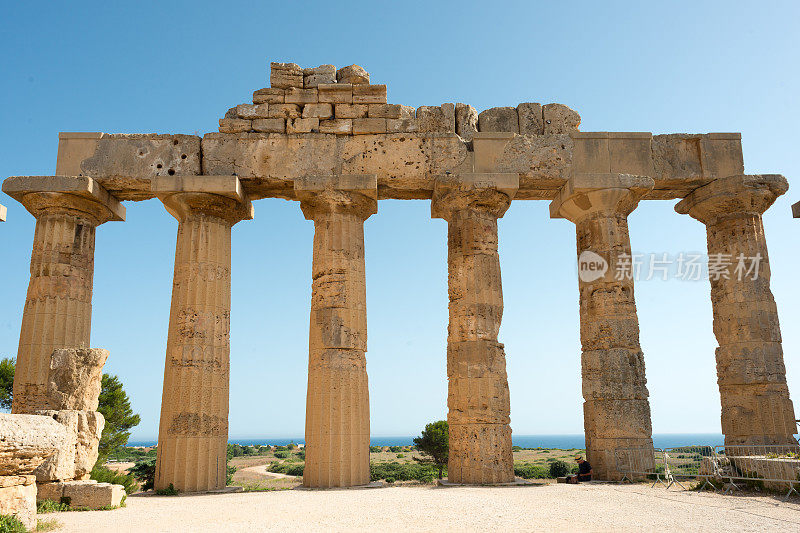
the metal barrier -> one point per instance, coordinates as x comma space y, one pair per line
765, 464
641, 463
686, 462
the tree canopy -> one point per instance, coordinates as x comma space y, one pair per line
434, 444
6, 382
115, 406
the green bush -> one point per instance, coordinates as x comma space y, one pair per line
396, 449
106, 475
169, 491
558, 469
400, 455
282, 454
424, 472
291, 469
229, 475
375, 449
49, 506
145, 472
390, 479
10, 524
529, 471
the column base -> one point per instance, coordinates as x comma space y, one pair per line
518, 482
370, 485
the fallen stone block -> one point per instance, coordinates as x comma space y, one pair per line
466, 121
498, 119
352, 74
530, 118
269, 96
74, 378
369, 94
27, 441
88, 494
75, 458
559, 118
285, 75
312, 77
18, 498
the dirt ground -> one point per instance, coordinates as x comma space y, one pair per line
559, 507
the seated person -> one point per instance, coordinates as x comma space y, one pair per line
584, 471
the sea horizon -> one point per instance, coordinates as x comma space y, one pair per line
557, 441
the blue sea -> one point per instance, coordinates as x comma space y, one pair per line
564, 442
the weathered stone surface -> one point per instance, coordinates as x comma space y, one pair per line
252, 111
353, 74
270, 125
531, 121
26, 441
756, 407
234, 125
82, 494
321, 74
559, 118
338, 395
466, 121
18, 498
285, 75
193, 431
336, 93
318, 111
616, 408
301, 96
74, 379
441, 119
351, 110
543, 163
269, 96
369, 94
74, 459
231, 113
478, 397
338, 126
284, 111
400, 125
302, 125
362, 126
385, 111
499, 119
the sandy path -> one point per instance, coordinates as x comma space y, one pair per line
261, 470
425, 508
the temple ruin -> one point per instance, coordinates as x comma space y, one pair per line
329, 140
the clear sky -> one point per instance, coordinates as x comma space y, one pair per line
175, 67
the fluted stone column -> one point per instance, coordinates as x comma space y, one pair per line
478, 397
337, 405
616, 409
58, 306
756, 408
193, 432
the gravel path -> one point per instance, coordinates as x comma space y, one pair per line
424, 508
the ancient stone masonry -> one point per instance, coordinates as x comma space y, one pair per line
328, 139
478, 398
756, 408
193, 433
337, 404
616, 409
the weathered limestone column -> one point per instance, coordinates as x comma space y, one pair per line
616, 410
58, 306
756, 408
478, 398
337, 405
193, 432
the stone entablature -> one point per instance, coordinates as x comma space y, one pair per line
471, 166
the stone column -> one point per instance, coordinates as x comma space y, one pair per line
478, 397
756, 408
58, 306
616, 410
337, 405
193, 432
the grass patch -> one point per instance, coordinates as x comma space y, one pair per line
47, 525
11, 524
169, 491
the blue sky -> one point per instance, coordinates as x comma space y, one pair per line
175, 67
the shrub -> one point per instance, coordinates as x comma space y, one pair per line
516, 449
558, 469
395, 449
49, 506
529, 471
10, 524
390, 479
400, 455
375, 449
423, 472
145, 472
106, 475
282, 454
229, 475
291, 469
169, 491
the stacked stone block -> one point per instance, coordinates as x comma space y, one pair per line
343, 102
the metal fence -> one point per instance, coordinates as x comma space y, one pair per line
772, 466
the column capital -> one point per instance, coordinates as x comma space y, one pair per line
344, 193
584, 195
72, 195
733, 195
475, 191
218, 196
